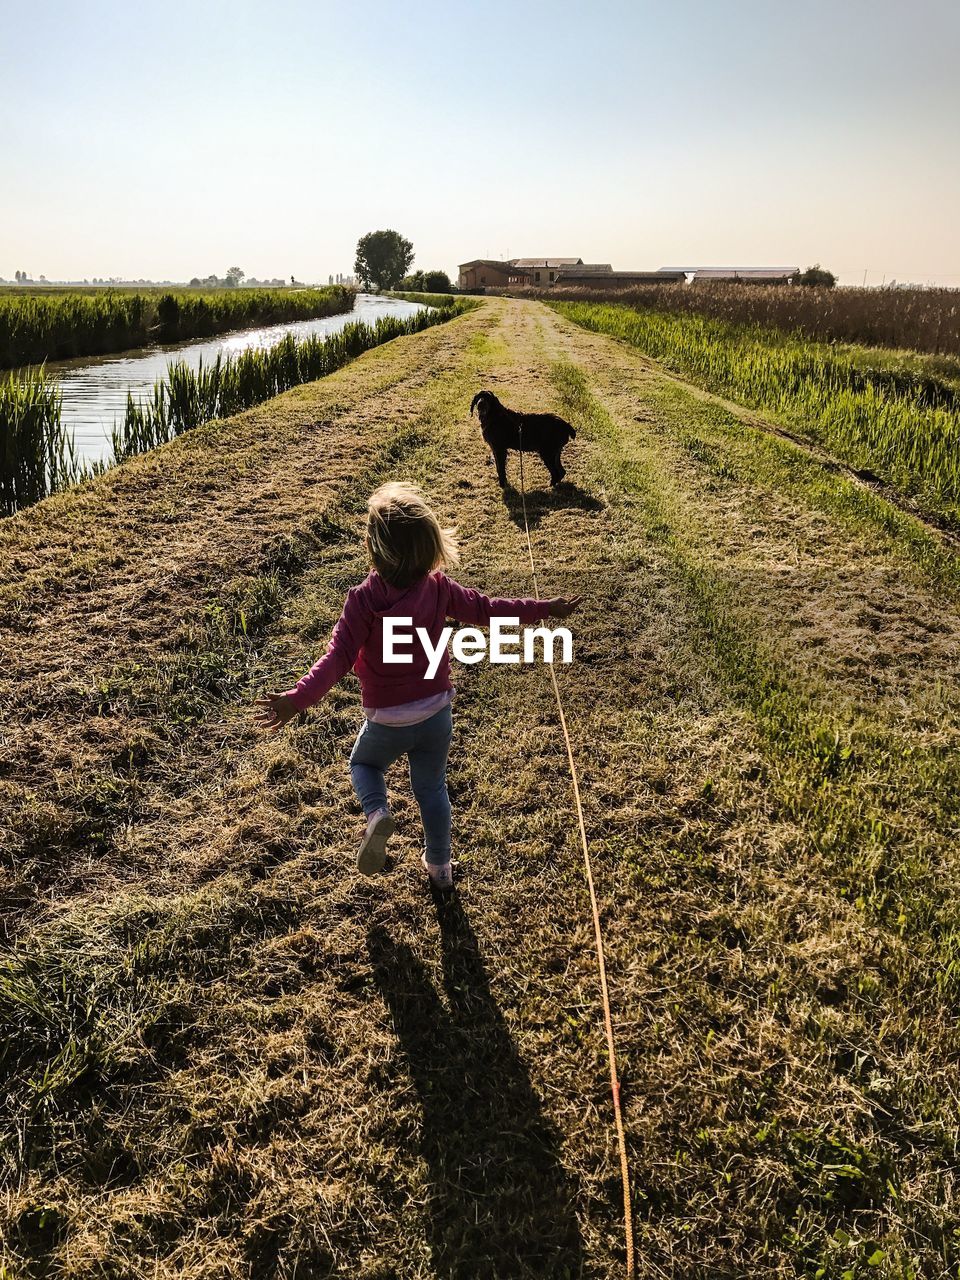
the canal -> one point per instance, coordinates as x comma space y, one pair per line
95, 391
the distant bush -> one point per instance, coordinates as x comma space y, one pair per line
426, 282
817, 277
436, 282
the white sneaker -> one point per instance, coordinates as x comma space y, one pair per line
440, 873
373, 846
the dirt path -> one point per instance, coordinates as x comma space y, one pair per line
313, 1074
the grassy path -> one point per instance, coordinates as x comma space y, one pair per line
232, 1057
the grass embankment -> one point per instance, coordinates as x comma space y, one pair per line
885, 414
63, 325
234, 1057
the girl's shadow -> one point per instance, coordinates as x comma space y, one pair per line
502, 1204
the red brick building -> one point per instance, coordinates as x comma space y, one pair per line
484, 273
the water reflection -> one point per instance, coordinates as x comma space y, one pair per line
95, 391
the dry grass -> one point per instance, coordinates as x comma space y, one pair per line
232, 1057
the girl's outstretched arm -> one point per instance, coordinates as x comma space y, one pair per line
473, 608
349, 636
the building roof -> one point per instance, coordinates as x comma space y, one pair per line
485, 262
744, 273
545, 262
590, 273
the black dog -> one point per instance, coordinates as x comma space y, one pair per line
504, 429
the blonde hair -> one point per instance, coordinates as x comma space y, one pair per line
404, 536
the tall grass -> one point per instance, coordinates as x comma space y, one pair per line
901, 424
36, 454
926, 320
61, 326
190, 397
428, 299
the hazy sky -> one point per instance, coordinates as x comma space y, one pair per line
179, 139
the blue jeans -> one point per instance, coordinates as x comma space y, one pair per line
426, 745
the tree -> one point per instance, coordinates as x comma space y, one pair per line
436, 281
817, 277
18, 277
233, 277
383, 258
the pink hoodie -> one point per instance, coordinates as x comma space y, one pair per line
357, 640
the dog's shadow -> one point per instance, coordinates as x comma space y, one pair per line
540, 502
501, 1203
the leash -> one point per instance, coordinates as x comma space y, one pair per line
597, 931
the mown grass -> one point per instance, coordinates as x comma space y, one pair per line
170, 1046
874, 804
900, 424
846, 774
97, 1008
735, 448
354, 1086
65, 325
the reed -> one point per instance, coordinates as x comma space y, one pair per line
439, 300
36, 454
925, 320
901, 422
62, 326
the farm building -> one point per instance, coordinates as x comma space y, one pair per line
744, 275
540, 271
486, 273
589, 277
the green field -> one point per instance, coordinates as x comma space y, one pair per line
893, 414
62, 325
229, 1056
903, 319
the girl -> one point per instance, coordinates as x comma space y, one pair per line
407, 712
